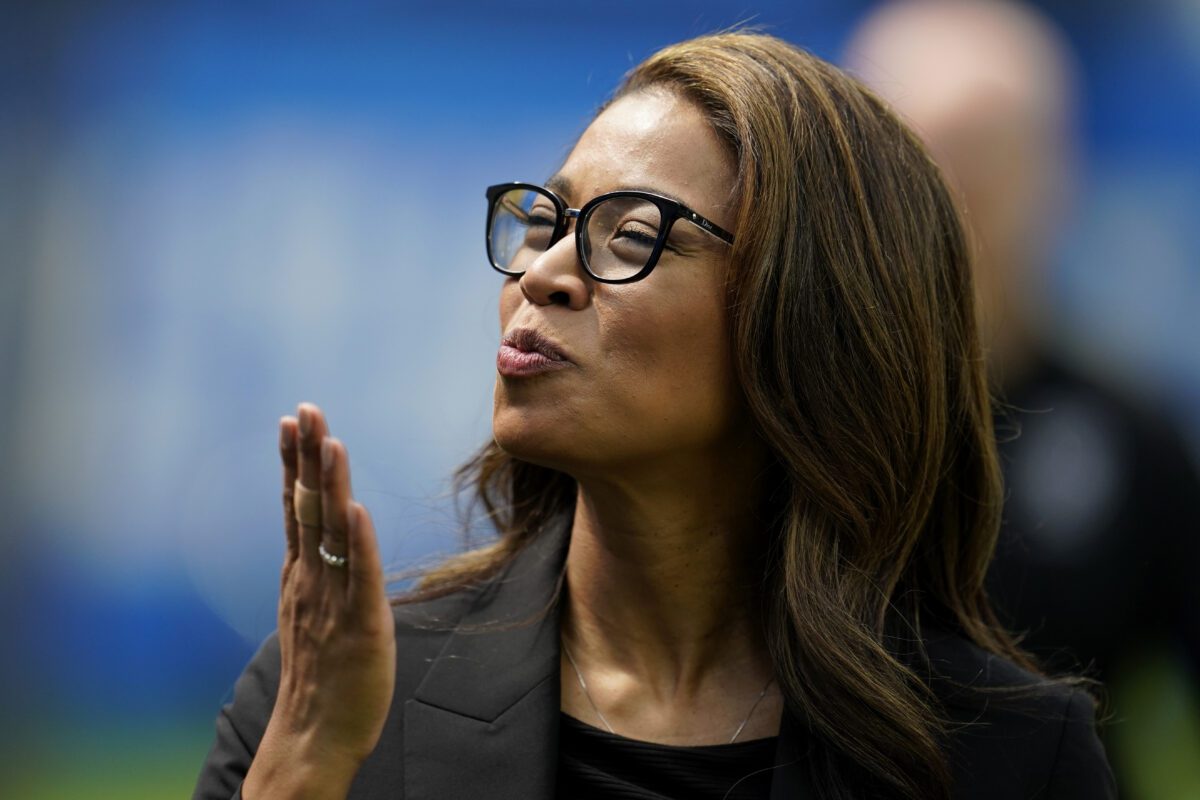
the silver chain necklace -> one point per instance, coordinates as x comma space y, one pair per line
600, 714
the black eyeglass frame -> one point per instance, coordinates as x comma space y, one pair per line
671, 210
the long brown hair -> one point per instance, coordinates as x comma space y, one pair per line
854, 333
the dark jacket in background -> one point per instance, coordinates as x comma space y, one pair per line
1100, 550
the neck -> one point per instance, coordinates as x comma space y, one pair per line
662, 582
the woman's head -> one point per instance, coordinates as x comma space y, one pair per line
648, 379
841, 333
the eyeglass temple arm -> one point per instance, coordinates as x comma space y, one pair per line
711, 227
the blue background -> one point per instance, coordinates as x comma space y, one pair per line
210, 211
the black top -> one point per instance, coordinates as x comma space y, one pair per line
594, 763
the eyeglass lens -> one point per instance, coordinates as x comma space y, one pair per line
617, 238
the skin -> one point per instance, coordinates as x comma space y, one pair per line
649, 421
660, 608
336, 631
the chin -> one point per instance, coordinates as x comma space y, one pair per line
530, 436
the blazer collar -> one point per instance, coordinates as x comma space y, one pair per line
484, 721
507, 643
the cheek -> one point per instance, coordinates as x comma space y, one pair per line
672, 367
510, 301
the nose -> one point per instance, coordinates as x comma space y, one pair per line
557, 278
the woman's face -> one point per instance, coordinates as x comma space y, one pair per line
649, 378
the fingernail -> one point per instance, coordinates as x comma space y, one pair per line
352, 518
285, 441
305, 421
326, 454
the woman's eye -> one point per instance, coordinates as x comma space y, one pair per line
539, 227
636, 235
542, 211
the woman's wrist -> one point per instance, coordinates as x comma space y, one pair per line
296, 768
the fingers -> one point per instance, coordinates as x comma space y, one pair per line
320, 465
335, 495
366, 570
312, 430
287, 452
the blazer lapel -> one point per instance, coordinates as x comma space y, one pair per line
484, 721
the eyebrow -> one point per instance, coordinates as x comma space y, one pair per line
559, 185
563, 186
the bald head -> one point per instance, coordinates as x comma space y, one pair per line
989, 86
936, 60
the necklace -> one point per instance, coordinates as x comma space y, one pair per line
600, 714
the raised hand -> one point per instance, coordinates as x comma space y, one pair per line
336, 632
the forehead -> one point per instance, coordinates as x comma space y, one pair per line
658, 141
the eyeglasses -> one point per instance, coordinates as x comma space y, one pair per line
619, 235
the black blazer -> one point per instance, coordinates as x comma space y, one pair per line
475, 712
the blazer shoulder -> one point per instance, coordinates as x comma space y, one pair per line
1013, 733
955, 659
440, 614
240, 726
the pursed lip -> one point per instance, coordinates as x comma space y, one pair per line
525, 352
527, 340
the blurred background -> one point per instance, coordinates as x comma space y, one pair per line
210, 211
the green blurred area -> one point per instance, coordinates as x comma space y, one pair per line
1153, 736
123, 764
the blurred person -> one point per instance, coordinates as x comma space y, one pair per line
744, 481
1099, 552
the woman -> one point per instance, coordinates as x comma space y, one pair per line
745, 484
